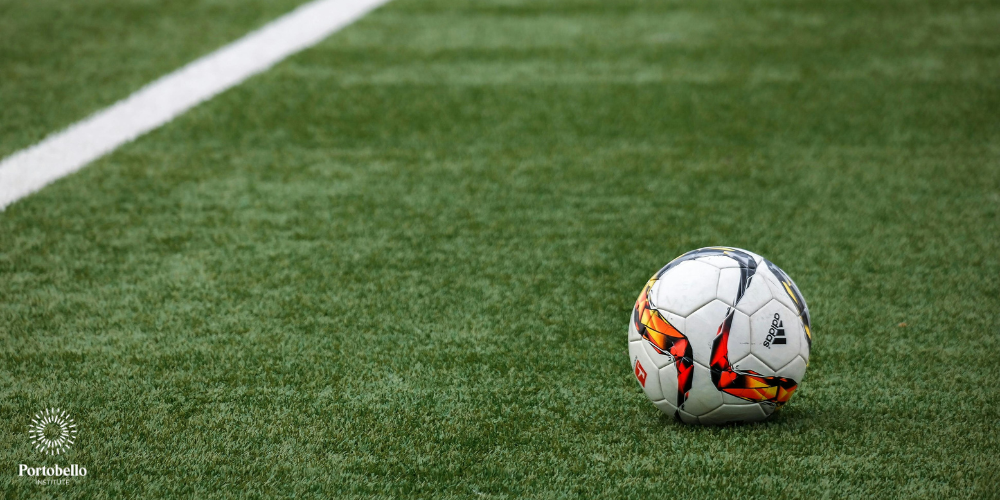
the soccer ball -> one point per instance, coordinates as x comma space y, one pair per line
719, 335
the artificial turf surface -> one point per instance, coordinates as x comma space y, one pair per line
402, 263
63, 60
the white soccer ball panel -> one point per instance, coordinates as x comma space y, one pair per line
739, 336
733, 413
756, 296
719, 261
804, 350
659, 360
645, 371
702, 326
729, 284
668, 383
795, 370
779, 292
704, 396
666, 406
685, 288
751, 363
774, 340
686, 417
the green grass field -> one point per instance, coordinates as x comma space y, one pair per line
402, 262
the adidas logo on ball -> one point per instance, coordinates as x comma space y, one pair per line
776, 335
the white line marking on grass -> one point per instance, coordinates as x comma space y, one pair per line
65, 152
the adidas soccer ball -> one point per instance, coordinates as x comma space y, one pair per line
719, 335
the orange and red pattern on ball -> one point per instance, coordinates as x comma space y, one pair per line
665, 339
745, 384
